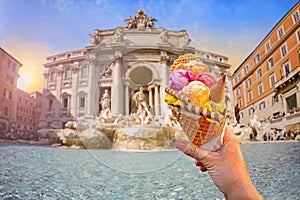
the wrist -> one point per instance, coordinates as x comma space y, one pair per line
244, 191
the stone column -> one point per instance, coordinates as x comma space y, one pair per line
126, 99
91, 86
75, 69
164, 58
59, 82
150, 97
42, 122
117, 87
156, 101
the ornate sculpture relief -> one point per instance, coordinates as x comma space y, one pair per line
118, 36
140, 21
95, 37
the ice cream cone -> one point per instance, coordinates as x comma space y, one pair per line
198, 129
217, 90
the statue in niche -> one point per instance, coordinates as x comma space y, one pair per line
141, 114
105, 113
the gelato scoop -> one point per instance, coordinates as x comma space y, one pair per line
180, 78
197, 92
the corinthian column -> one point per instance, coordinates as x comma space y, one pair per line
91, 86
164, 58
117, 88
75, 69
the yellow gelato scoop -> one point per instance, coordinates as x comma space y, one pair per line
198, 93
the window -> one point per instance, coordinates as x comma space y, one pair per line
7, 93
9, 79
65, 102
239, 91
296, 17
248, 82
240, 102
283, 50
5, 111
251, 110
67, 73
83, 72
259, 73
241, 115
82, 102
275, 99
286, 68
250, 96
260, 88
256, 59
50, 105
298, 35
291, 102
247, 69
268, 47
237, 78
272, 79
262, 105
280, 33
52, 76
270, 63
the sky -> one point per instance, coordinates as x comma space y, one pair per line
31, 30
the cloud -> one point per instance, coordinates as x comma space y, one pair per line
61, 5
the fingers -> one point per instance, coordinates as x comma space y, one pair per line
201, 166
190, 149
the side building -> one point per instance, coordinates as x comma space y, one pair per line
267, 83
119, 61
28, 111
9, 74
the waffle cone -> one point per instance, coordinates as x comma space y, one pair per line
198, 129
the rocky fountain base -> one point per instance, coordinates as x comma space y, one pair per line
139, 137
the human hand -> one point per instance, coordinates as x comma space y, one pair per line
226, 166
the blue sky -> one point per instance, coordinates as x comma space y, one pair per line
30, 30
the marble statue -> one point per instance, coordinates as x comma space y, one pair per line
130, 23
140, 21
141, 114
105, 113
150, 22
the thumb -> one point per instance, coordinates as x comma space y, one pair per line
190, 149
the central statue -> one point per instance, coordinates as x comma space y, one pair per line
140, 114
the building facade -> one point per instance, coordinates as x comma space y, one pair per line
267, 82
28, 111
9, 74
119, 60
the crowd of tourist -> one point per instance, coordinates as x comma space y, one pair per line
279, 115
280, 135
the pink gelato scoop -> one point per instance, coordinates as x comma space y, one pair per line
180, 78
207, 78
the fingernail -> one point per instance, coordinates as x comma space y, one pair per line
181, 145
